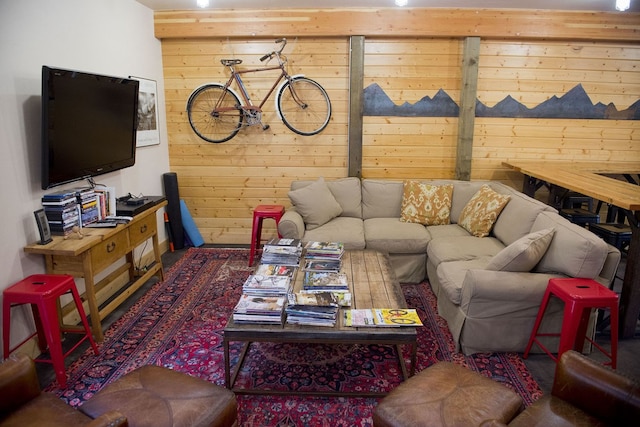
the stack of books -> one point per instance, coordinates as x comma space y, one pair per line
323, 256
282, 252
61, 209
318, 309
259, 309
89, 207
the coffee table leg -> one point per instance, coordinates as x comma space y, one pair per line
403, 366
227, 372
414, 352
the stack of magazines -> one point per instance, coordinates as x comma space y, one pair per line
269, 285
325, 281
318, 309
282, 252
323, 256
259, 309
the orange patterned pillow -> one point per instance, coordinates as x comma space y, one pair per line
481, 212
426, 204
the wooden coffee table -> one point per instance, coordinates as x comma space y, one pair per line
373, 285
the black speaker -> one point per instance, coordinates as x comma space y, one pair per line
170, 180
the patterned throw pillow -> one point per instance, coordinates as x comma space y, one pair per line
481, 212
426, 204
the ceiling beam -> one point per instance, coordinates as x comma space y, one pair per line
401, 22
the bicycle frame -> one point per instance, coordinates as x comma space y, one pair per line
236, 76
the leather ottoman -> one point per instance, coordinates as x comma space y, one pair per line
446, 394
154, 396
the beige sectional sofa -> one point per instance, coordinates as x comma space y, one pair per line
488, 288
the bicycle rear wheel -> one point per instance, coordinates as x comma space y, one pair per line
214, 113
304, 106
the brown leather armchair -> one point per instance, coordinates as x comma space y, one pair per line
584, 393
23, 404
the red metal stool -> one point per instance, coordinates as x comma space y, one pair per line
579, 296
259, 213
42, 292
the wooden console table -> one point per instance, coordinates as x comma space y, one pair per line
99, 249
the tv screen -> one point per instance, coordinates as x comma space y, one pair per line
88, 125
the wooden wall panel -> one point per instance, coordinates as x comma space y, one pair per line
408, 70
413, 55
221, 183
533, 72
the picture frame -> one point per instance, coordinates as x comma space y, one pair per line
148, 128
43, 227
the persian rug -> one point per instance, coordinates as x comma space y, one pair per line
178, 323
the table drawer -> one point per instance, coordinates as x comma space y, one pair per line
142, 230
110, 250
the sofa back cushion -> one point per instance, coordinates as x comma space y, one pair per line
574, 250
518, 216
381, 198
346, 191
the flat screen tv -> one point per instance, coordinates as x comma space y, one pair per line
89, 125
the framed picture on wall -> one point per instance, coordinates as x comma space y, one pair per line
43, 227
148, 130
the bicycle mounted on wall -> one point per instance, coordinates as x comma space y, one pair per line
216, 112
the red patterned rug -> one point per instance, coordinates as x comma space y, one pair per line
178, 323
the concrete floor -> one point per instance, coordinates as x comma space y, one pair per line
542, 367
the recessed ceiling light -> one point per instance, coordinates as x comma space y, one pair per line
622, 5
401, 2
202, 3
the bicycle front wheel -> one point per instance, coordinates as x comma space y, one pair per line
304, 106
214, 113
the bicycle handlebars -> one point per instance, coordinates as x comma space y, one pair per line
270, 55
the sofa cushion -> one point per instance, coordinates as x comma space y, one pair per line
451, 276
463, 191
350, 230
425, 203
395, 237
315, 203
462, 248
347, 192
481, 212
574, 250
381, 198
518, 216
449, 230
524, 253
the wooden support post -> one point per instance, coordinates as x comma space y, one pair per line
468, 96
356, 82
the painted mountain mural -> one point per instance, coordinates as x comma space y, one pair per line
575, 104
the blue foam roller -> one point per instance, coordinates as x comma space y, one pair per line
189, 226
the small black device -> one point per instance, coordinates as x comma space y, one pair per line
134, 201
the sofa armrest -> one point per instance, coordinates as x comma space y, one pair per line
507, 286
291, 225
109, 419
18, 382
596, 390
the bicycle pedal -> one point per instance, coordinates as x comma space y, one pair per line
265, 127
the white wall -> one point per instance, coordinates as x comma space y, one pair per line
113, 37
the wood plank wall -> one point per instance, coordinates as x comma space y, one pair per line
221, 183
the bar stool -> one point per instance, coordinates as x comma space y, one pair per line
579, 296
259, 213
42, 292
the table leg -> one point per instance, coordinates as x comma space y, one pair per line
630, 296
90, 295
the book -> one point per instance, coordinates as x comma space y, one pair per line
381, 317
259, 305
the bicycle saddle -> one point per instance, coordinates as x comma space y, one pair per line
230, 62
